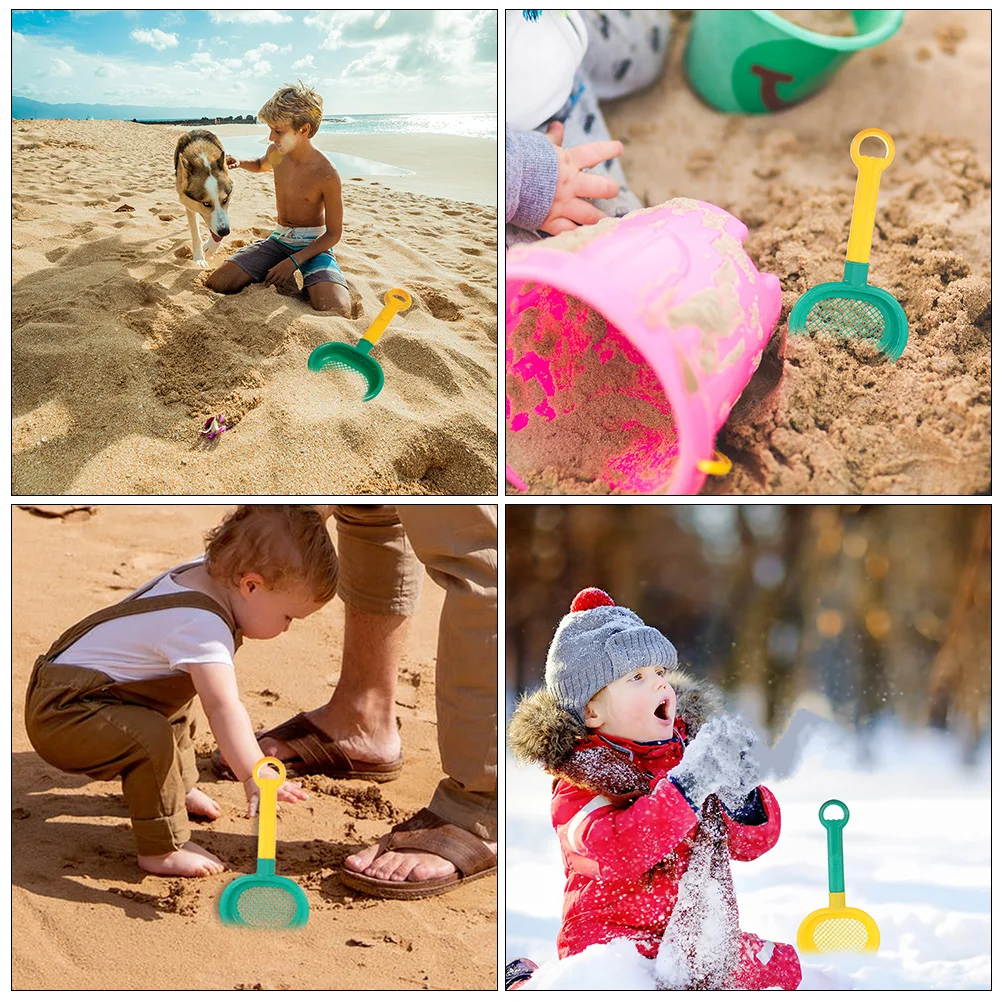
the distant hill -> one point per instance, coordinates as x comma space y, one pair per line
23, 107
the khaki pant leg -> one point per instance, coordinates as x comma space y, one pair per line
184, 725
108, 739
379, 572
458, 546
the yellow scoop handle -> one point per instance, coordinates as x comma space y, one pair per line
864, 206
395, 300
267, 808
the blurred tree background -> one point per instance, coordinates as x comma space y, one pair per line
854, 610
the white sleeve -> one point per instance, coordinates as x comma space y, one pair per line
197, 637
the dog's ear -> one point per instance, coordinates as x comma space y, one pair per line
221, 162
191, 166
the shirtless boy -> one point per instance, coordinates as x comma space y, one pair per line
308, 195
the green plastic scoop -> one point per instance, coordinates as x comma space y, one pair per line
852, 308
261, 899
356, 358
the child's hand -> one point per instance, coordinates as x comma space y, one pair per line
569, 209
288, 792
281, 273
232, 162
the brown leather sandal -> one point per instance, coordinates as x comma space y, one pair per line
318, 755
427, 832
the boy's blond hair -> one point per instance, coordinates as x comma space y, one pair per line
298, 105
287, 544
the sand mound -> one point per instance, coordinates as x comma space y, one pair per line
120, 352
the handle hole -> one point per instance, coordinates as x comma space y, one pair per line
874, 146
841, 813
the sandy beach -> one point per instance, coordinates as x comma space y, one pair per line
85, 917
836, 417
120, 353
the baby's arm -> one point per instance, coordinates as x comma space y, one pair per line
263, 163
621, 842
216, 685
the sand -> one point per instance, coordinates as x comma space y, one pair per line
85, 917
820, 417
120, 352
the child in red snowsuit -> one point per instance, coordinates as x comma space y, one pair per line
617, 725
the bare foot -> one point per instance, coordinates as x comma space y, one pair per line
202, 805
360, 746
407, 864
189, 861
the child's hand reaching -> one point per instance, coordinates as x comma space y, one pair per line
288, 792
569, 209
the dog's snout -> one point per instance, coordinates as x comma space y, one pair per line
223, 231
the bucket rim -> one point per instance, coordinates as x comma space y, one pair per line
836, 43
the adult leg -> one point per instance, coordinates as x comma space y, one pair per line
330, 297
228, 277
458, 546
380, 585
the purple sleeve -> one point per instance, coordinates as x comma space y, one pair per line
530, 178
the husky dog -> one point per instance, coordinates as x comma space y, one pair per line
203, 186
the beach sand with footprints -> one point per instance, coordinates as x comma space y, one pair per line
120, 353
74, 870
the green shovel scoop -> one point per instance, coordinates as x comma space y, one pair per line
263, 900
852, 308
356, 358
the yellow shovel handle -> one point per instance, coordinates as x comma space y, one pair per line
395, 300
267, 808
864, 206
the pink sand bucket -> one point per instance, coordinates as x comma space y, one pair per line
628, 343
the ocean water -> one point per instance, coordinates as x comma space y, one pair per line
481, 125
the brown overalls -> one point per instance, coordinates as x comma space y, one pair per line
80, 720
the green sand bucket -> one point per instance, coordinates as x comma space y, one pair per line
852, 307
754, 61
262, 900
356, 358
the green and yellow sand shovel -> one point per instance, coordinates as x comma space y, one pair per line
356, 358
262, 899
837, 928
852, 308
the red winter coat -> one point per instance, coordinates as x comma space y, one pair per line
623, 861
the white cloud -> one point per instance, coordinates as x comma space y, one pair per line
262, 67
231, 64
306, 63
109, 70
262, 50
248, 17
160, 40
59, 68
201, 58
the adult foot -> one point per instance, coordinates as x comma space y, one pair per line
403, 864
189, 861
201, 805
360, 741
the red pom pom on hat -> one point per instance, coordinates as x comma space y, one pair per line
590, 598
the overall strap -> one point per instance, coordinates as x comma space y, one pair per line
134, 605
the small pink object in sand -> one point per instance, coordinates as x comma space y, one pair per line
213, 427
628, 343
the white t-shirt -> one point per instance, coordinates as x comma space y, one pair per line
153, 644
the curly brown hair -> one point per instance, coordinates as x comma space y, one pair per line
287, 544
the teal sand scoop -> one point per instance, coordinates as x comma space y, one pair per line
263, 900
356, 358
853, 307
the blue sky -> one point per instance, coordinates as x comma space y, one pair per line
360, 61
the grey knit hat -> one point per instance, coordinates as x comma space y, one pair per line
597, 643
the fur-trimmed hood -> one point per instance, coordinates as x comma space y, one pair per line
542, 732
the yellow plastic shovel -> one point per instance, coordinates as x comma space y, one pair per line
837, 929
356, 358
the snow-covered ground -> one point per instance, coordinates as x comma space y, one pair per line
917, 859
